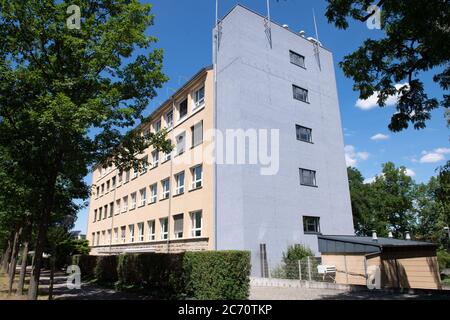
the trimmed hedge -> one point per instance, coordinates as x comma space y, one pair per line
106, 269
87, 265
217, 275
209, 275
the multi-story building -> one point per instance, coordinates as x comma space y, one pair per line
266, 80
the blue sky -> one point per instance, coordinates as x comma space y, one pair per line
184, 32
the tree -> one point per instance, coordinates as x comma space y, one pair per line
386, 204
67, 96
416, 39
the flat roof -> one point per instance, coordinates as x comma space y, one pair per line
355, 244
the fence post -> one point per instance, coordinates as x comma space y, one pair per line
309, 268
300, 270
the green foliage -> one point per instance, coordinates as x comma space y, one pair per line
443, 258
415, 39
292, 256
152, 272
106, 269
218, 275
87, 265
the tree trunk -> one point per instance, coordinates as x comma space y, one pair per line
52, 276
23, 269
7, 255
38, 251
13, 263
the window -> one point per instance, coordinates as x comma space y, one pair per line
144, 164
155, 158
98, 191
178, 226
143, 196
307, 177
133, 201
123, 234
111, 209
197, 177
300, 94
153, 193
108, 240
93, 238
103, 188
297, 59
303, 133
105, 213
100, 212
180, 183
197, 134
183, 109
166, 188
157, 126
107, 186
95, 215
135, 171
169, 119
196, 224
117, 207
131, 232
151, 230
120, 176
98, 238
140, 232
113, 183
116, 235
199, 97
311, 224
181, 142
164, 222
127, 176
103, 241
125, 204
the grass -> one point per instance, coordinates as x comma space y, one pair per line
4, 289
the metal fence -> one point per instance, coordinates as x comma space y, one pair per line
305, 269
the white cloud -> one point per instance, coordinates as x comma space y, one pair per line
434, 156
410, 172
379, 136
369, 180
352, 157
372, 101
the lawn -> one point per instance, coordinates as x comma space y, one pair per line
4, 289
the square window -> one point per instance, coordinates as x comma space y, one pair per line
311, 224
303, 133
308, 177
297, 59
300, 93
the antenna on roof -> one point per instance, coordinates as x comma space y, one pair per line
268, 24
316, 42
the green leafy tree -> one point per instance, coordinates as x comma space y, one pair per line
67, 96
416, 39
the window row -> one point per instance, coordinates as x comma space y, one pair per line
127, 175
140, 199
142, 232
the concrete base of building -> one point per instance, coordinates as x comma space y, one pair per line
164, 246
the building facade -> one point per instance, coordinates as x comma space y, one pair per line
266, 78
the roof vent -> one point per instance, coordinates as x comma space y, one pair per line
390, 235
302, 33
285, 26
407, 235
374, 235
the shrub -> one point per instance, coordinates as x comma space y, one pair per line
152, 272
217, 275
293, 254
106, 269
86, 263
443, 258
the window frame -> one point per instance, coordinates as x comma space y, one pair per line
296, 97
306, 224
195, 181
194, 228
314, 177
179, 189
165, 192
142, 197
199, 102
299, 127
164, 228
151, 230
133, 198
293, 53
